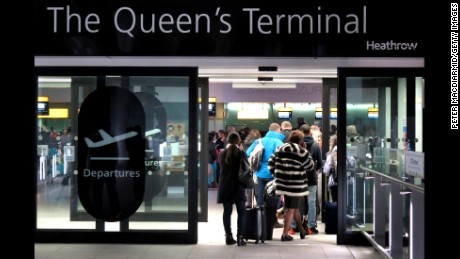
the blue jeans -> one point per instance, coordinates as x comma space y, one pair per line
261, 182
311, 223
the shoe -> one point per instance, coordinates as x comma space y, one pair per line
291, 231
240, 240
229, 240
286, 238
312, 231
278, 225
303, 234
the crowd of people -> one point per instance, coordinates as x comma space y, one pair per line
55, 142
292, 158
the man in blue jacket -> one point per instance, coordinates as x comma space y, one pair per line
270, 141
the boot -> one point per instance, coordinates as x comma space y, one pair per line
240, 240
298, 222
229, 240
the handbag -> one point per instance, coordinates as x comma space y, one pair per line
332, 180
329, 170
245, 173
270, 189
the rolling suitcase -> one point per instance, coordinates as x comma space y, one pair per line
330, 217
255, 221
255, 224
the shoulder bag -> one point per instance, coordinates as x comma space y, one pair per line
245, 173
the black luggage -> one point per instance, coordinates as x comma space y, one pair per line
255, 224
330, 217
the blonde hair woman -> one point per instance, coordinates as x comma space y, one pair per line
250, 138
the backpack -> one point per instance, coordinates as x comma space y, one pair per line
255, 159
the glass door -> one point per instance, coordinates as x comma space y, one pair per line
168, 207
380, 120
203, 142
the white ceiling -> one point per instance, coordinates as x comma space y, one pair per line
240, 69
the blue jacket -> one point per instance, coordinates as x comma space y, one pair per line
270, 142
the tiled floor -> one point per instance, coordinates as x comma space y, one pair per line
211, 245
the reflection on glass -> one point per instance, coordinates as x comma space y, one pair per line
57, 199
377, 139
370, 142
165, 204
166, 189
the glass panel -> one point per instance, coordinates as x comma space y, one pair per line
166, 106
419, 104
57, 199
167, 124
376, 126
377, 133
333, 117
201, 209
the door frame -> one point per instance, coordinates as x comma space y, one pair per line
356, 238
99, 235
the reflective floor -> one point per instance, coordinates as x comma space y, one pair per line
211, 244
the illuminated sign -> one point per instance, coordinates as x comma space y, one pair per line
111, 164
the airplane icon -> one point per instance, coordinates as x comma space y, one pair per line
107, 139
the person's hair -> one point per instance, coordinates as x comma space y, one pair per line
315, 134
333, 141
233, 140
314, 127
211, 136
286, 125
231, 129
254, 134
223, 133
296, 136
305, 129
320, 135
274, 127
